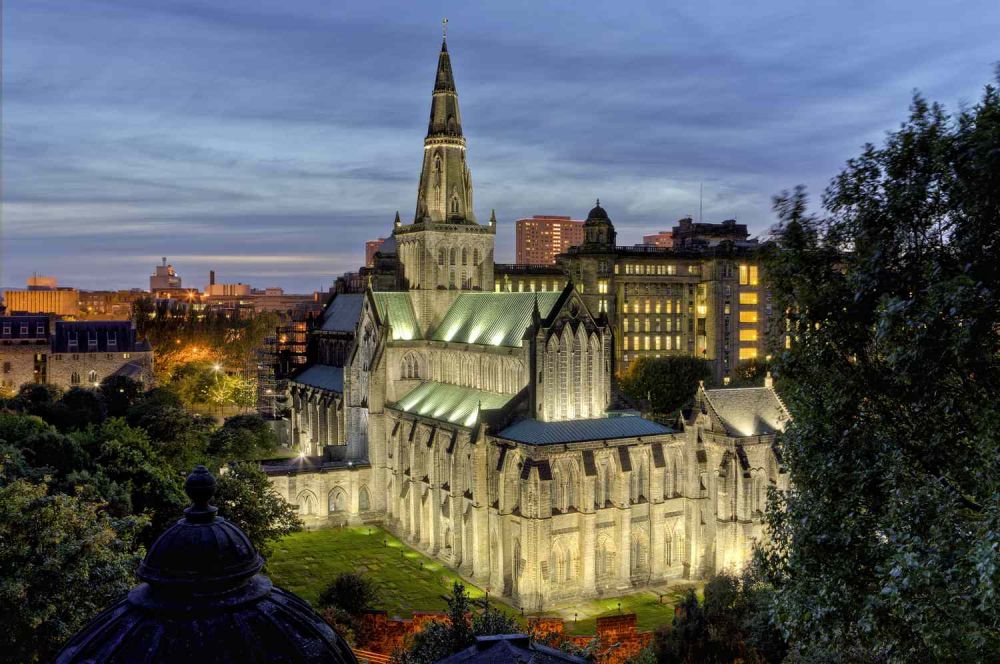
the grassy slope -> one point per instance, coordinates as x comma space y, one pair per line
305, 562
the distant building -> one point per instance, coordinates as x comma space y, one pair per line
68, 354
690, 235
662, 239
39, 282
59, 302
24, 344
372, 247
84, 353
542, 237
164, 278
109, 305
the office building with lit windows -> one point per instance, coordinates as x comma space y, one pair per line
543, 237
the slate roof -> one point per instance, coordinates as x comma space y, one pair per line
396, 309
343, 313
748, 411
508, 649
450, 403
103, 336
323, 377
493, 319
535, 432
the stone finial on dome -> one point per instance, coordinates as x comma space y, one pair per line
200, 487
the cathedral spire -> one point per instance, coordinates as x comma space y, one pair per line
445, 192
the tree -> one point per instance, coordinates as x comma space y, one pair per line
61, 561
245, 496
351, 592
667, 384
439, 639
120, 393
243, 438
887, 548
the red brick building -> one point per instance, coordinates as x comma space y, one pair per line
542, 237
372, 247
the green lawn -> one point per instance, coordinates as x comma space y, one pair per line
305, 562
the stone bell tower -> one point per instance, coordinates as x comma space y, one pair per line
444, 250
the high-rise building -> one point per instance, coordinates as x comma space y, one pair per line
661, 239
543, 237
57, 301
372, 247
164, 278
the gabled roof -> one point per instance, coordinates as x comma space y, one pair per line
323, 377
748, 411
450, 403
536, 432
395, 309
343, 313
492, 319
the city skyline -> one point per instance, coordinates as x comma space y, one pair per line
223, 138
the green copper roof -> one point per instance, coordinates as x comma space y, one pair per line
450, 403
395, 309
492, 319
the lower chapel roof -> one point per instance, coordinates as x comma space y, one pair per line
748, 411
450, 403
323, 377
535, 432
343, 313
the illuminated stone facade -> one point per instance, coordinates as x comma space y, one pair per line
482, 427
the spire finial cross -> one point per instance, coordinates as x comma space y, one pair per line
444, 28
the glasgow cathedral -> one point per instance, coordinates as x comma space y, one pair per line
482, 424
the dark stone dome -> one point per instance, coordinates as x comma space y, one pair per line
203, 599
597, 213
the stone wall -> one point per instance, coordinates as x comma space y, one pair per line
17, 364
62, 366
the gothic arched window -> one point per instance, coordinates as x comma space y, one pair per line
475, 257
454, 204
364, 500
92, 377
441, 257
453, 255
465, 256
74, 379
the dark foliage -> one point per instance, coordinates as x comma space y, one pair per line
350, 592
887, 548
666, 384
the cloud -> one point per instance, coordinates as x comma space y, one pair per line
233, 131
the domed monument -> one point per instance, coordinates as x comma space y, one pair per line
203, 599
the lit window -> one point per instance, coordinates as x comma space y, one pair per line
748, 298
671, 269
748, 275
646, 340
702, 310
748, 316
748, 335
748, 353
602, 286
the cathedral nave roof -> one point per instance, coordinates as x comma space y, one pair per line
493, 319
396, 309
